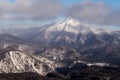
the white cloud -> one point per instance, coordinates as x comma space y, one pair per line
112, 19
31, 9
88, 11
94, 12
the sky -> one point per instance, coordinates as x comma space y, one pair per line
113, 3
40, 12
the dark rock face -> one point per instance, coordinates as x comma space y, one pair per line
24, 76
84, 72
109, 54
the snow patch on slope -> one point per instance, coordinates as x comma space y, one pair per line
16, 61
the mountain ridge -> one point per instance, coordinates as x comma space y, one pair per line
60, 44
70, 31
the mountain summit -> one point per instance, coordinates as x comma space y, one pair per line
73, 33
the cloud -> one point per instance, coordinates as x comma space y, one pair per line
86, 11
112, 18
31, 9
94, 12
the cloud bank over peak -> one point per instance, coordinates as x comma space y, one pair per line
94, 12
41, 10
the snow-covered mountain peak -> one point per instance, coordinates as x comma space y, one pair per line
100, 31
74, 33
69, 25
75, 26
70, 21
97, 31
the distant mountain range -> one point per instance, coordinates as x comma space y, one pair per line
60, 44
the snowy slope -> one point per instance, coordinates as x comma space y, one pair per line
16, 61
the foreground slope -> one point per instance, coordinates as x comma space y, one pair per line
16, 61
